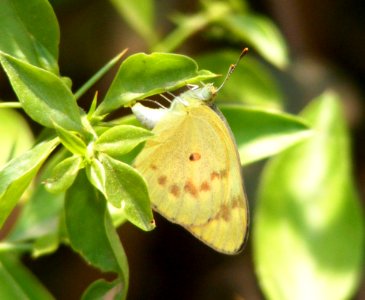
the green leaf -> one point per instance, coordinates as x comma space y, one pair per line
18, 173
187, 26
95, 172
91, 231
142, 75
93, 105
262, 133
131, 155
250, 83
64, 174
15, 135
262, 34
29, 31
117, 215
16, 282
121, 139
140, 16
309, 226
102, 289
43, 95
71, 141
125, 188
40, 215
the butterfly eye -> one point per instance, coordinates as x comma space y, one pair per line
194, 156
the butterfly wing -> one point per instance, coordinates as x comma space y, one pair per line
194, 176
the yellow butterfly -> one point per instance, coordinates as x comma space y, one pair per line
193, 170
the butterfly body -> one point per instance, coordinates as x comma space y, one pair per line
193, 170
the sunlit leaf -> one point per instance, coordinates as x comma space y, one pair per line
71, 140
262, 133
43, 95
262, 34
142, 75
121, 139
40, 215
63, 174
309, 228
29, 31
15, 135
125, 188
18, 173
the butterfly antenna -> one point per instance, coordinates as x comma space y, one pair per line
154, 102
232, 67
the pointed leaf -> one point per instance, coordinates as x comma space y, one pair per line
15, 135
309, 227
142, 75
18, 173
64, 174
102, 289
29, 31
71, 141
125, 188
121, 139
261, 33
43, 95
96, 174
40, 215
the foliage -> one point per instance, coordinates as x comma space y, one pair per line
307, 217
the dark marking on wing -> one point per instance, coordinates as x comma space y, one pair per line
162, 180
190, 188
175, 190
218, 174
195, 156
204, 187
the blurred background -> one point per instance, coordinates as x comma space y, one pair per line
326, 41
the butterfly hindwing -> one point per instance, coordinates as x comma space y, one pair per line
193, 172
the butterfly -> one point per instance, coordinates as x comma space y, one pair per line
193, 170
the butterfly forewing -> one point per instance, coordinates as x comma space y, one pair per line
177, 166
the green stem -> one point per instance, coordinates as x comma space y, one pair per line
184, 30
10, 247
10, 105
98, 75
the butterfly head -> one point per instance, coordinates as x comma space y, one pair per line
206, 93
